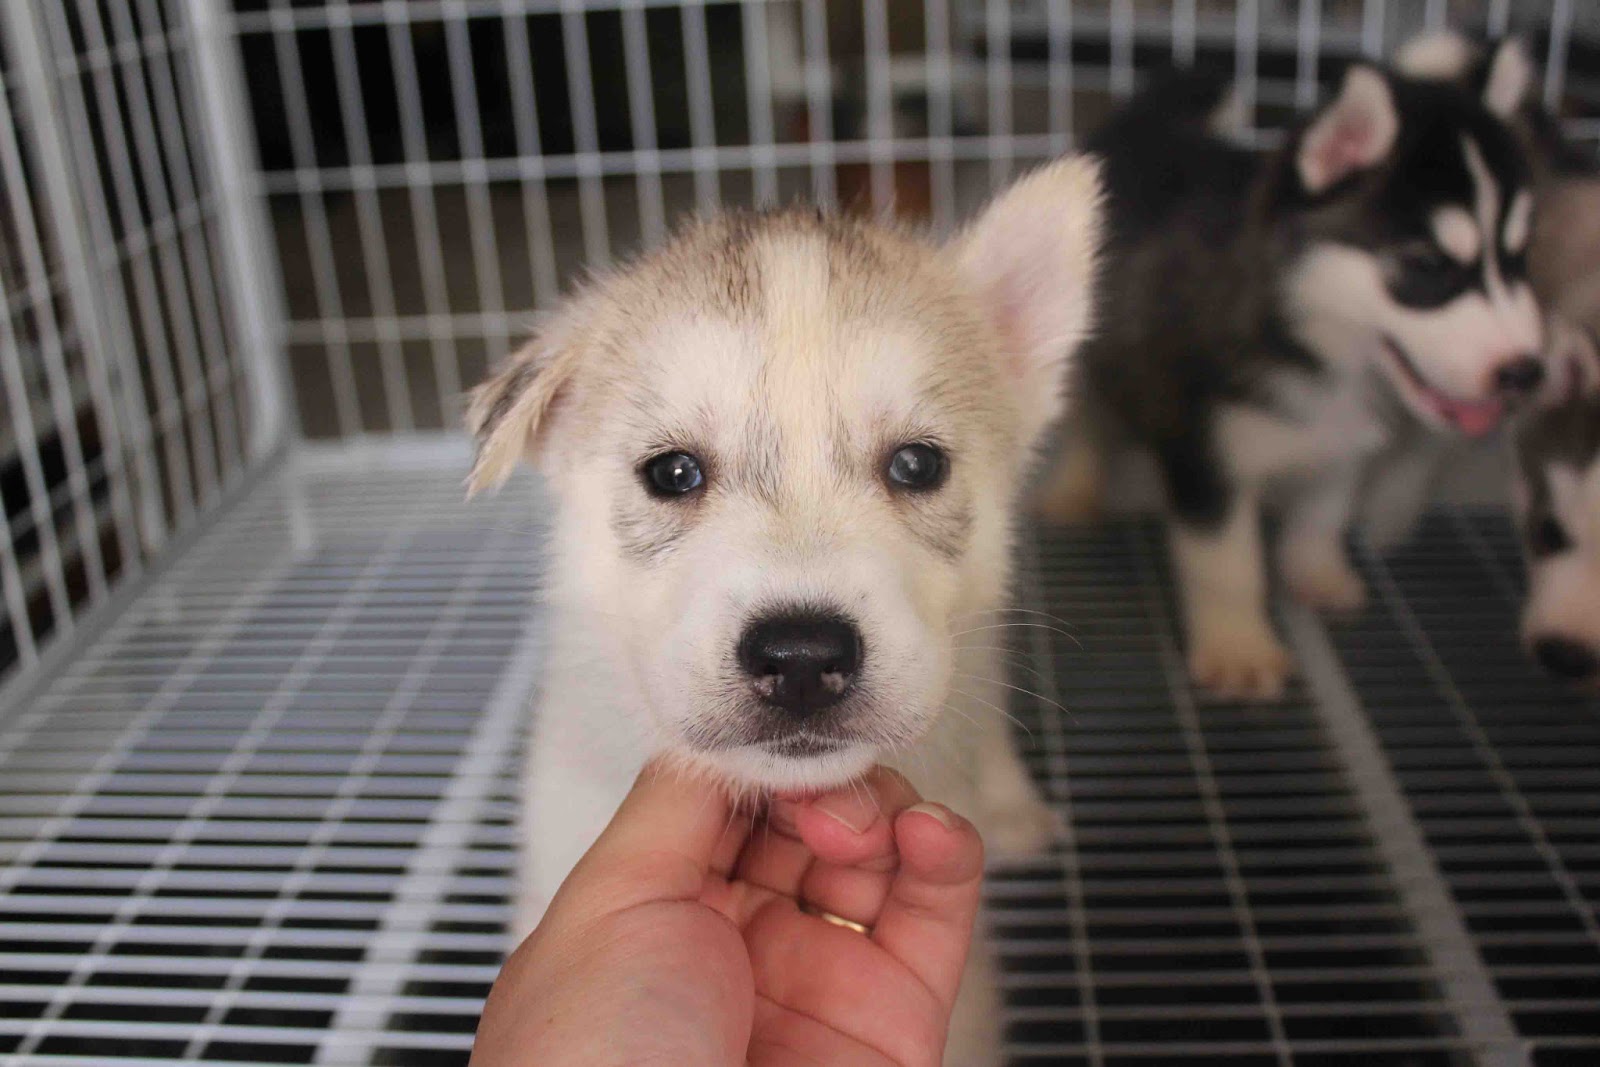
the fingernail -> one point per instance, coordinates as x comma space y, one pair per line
938, 811
846, 811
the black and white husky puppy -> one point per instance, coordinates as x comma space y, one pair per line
1556, 495
1309, 322
1556, 443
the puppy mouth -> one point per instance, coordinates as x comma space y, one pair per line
1470, 418
803, 746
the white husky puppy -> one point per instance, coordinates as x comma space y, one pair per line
786, 452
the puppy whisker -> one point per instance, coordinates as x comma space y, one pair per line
1020, 689
990, 704
1020, 626
1014, 658
1013, 611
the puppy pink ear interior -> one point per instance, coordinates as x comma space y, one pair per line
1353, 133
1031, 259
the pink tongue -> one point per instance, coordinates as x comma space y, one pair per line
1474, 419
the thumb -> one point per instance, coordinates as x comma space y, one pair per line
926, 923
673, 828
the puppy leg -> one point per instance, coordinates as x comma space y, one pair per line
1398, 491
1006, 805
1311, 552
977, 1038
1073, 490
1233, 651
566, 803
1011, 815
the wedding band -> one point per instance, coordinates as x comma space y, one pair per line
837, 920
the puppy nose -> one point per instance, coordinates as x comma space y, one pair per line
801, 663
1565, 659
1522, 374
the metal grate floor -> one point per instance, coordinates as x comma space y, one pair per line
265, 816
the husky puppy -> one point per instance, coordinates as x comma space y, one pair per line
1556, 498
785, 452
1300, 322
1556, 444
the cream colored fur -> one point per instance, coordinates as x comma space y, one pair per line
792, 355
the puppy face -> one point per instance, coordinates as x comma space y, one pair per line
1557, 502
1418, 215
785, 450
1556, 486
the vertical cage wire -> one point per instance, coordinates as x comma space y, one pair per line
467, 160
436, 170
269, 799
132, 370
376, 261
642, 118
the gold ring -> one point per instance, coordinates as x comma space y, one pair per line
837, 920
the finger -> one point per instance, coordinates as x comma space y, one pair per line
852, 873
926, 922
775, 858
660, 845
839, 978
853, 823
853, 826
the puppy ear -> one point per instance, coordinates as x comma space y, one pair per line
1353, 133
1031, 258
1439, 56
507, 411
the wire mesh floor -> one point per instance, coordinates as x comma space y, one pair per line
266, 816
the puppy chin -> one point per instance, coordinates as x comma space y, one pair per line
760, 770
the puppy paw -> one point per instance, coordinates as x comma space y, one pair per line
1069, 508
1333, 588
1239, 658
1075, 493
1024, 827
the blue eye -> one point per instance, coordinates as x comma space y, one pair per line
917, 467
673, 474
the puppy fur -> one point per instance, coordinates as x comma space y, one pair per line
1556, 444
1311, 324
792, 354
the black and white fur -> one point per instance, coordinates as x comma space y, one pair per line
1556, 497
1556, 442
1311, 322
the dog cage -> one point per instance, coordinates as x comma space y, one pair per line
263, 676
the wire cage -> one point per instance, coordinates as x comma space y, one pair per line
263, 678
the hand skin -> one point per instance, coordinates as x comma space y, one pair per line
677, 940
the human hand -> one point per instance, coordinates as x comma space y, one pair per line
687, 935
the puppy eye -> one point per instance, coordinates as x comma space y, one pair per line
1427, 261
673, 474
1547, 538
918, 467
1422, 275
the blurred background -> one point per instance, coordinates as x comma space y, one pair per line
262, 677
